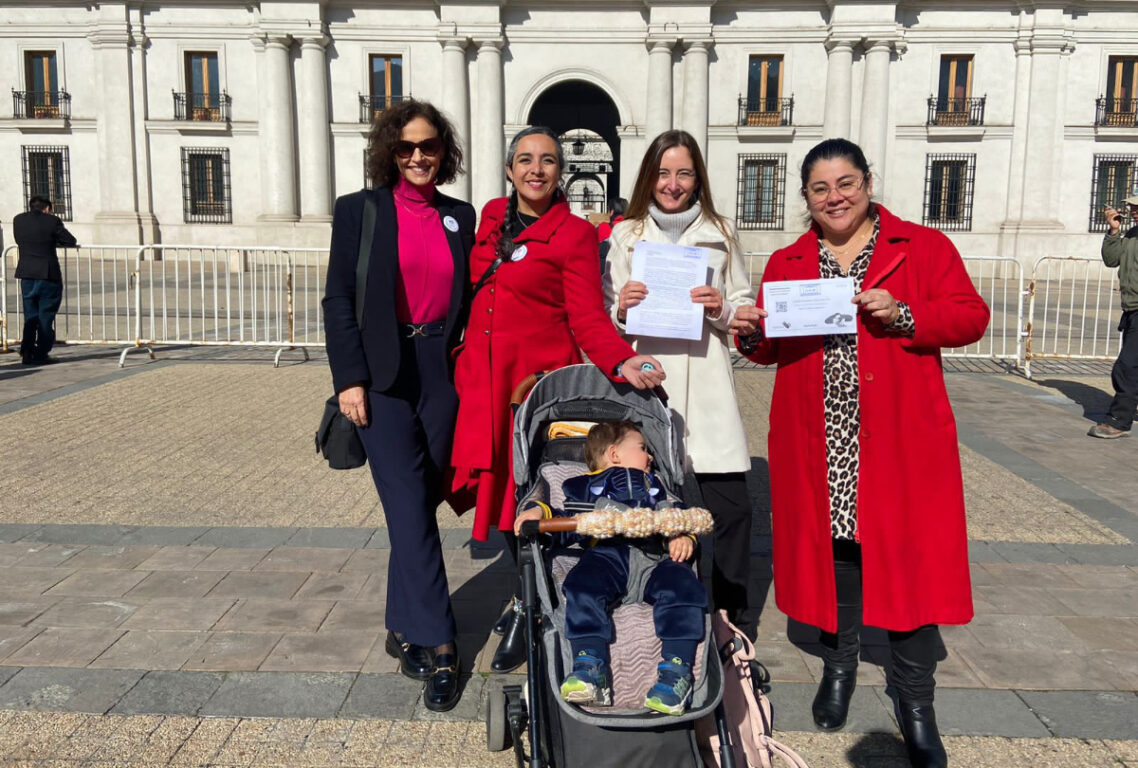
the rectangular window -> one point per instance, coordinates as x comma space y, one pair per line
386, 80
954, 90
1121, 90
1112, 180
205, 186
762, 191
764, 90
203, 85
47, 172
948, 192
367, 176
41, 79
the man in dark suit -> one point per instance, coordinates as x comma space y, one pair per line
37, 233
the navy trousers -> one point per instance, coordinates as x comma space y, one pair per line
408, 441
598, 583
41, 303
1124, 375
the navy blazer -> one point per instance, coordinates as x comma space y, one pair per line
37, 234
370, 356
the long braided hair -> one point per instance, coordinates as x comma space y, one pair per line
505, 239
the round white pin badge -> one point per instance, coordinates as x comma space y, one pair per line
518, 254
450, 223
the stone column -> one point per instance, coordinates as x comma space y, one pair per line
117, 220
315, 142
1042, 128
839, 90
278, 145
874, 129
456, 105
488, 163
1018, 156
658, 116
695, 91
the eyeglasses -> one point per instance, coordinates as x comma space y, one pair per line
847, 188
429, 147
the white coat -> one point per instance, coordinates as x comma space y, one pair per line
700, 385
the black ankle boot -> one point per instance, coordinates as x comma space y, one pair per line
832, 702
507, 617
511, 652
922, 738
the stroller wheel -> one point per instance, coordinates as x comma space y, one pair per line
497, 733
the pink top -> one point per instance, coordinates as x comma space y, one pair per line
426, 267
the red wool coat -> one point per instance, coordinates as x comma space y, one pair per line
910, 507
534, 314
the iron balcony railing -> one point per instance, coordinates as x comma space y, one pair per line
205, 107
956, 111
370, 106
766, 111
1116, 113
41, 105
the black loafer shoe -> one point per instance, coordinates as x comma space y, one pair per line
832, 702
503, 622
441, 693
511, 652
922, 737
414, 660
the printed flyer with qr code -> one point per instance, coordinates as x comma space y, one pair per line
809, 307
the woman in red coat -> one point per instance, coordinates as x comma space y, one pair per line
538, 302
866, 493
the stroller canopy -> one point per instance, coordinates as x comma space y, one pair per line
583, 393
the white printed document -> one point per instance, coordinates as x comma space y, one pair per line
669, 272
809, 307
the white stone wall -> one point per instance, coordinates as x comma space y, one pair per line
862, 70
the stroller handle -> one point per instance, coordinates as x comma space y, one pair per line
518, 396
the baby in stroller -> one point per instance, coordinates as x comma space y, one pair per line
612, 570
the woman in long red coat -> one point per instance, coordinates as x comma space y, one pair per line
538, 307
866, 493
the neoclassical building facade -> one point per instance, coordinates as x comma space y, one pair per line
1006, 124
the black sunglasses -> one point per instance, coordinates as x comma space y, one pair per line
429, 147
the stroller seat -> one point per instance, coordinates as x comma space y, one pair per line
635, 650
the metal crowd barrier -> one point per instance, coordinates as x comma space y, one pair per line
1073, 311
142, 296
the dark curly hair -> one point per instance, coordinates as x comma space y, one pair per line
385, 131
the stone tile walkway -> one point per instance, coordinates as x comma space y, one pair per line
183, 582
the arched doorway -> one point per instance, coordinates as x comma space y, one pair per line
586, 119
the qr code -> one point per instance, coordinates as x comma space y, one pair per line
780, 306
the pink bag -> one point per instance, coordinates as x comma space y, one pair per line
746, 710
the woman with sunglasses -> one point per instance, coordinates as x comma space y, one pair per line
537, 304
393, 373
671, 203
866, 494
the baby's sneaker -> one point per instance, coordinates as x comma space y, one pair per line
673, 689
589, 682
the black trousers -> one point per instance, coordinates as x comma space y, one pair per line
1124, 375
408, 440
725, 496
914, 654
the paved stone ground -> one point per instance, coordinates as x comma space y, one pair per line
182, 582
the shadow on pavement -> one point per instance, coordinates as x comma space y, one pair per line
875, 750
1094, 402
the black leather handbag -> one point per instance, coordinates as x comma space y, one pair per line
337, 438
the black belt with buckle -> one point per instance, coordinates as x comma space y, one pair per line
411, 330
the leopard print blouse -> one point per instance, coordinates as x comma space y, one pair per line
840, 396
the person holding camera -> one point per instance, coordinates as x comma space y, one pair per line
1121, 251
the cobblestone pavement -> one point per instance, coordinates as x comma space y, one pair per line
183, 582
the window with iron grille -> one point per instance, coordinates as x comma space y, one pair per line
1112, 180
205, 185
948, 192
367, 177
762, 191
47, 172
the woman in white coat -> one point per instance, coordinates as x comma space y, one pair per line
671, 203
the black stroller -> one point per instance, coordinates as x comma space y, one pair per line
562, 734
